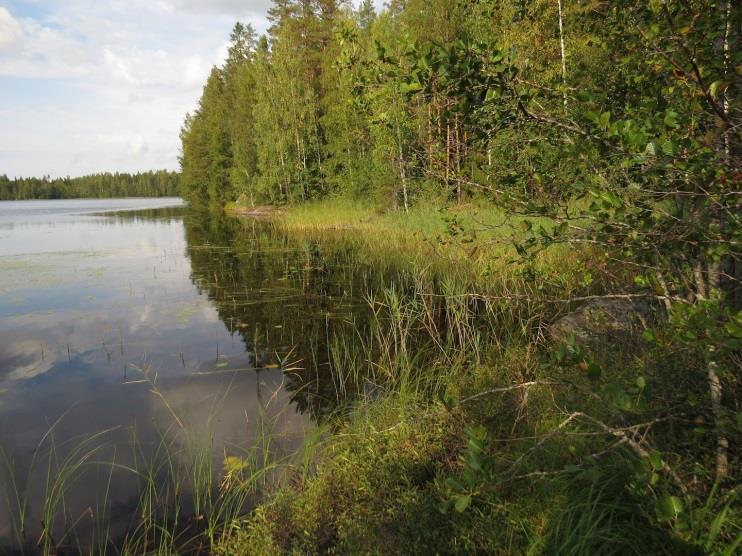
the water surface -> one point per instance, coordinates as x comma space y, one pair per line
138, 318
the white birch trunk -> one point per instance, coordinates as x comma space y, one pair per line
564, 56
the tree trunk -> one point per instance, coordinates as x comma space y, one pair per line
564, 57
727, 69
712, 286
722, 444
440, 133
448, 152
402, 173
302, 156
430, 137
283, 172
458, 158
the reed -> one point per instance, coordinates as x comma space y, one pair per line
456, 341
189, 498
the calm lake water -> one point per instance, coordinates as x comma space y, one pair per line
136, 319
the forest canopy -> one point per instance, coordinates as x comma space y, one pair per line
161, 183
539, 99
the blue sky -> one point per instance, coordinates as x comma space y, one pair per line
95, 85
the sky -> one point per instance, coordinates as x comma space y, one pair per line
103, 85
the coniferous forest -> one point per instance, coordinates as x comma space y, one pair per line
160, 183
513, 101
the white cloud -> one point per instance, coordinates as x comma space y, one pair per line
81, 72
90, 86
237, 8
26, 358
137, 145
31, 49
10, 30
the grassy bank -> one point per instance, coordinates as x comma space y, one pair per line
452, 416
472, 431
472, 242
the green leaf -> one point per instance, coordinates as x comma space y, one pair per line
617, 397
412, 87
492, 93
475, 444
611, 199
655, 458
470, 479
462, 502
671, 118
669, 148
649, 336
716, 526
605, 120
448, 401
475, 462
717, 88
454, 484
734, 329
669, 507
594, 371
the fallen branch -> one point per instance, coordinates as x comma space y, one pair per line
508, 389
636, 447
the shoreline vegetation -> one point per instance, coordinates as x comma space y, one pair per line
572, 264
460, 425
482, 433
554, 367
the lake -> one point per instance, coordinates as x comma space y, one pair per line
127, 325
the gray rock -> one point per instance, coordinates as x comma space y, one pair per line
602, 319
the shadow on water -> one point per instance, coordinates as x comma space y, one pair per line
186, 350
287, 298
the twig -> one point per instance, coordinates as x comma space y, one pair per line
507, 389
636, 447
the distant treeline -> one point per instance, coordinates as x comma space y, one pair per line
161, 183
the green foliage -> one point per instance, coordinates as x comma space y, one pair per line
145, 184
602, 518
477, 470
608, 132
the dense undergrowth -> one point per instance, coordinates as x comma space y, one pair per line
454, 419
607, 133
472, 431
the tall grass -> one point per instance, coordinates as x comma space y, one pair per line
188, 495
54, 469
458, 321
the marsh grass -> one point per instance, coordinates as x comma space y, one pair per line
601, 518
450, 344
57, 467
188, 494
453, 342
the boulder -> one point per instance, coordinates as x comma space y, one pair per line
605, 318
